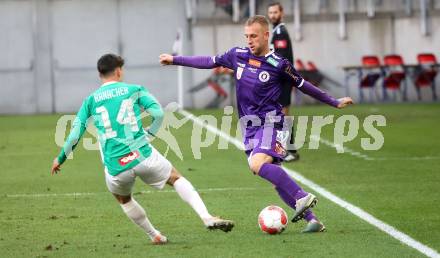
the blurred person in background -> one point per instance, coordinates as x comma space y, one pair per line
282, 45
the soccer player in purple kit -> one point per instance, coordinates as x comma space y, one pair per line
259, 74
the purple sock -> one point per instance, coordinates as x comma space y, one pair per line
308, 215
278, 177
289, 200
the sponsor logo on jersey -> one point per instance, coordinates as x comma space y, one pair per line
253, 70
129, 158
281, 43
272, 61
254, 62
239, 72
264, 76
289, 71
241, 50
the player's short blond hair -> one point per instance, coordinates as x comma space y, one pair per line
260, 19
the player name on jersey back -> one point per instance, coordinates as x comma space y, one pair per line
110, 93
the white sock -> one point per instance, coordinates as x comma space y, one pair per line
187, 192
137, 214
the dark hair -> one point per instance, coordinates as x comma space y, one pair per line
108, 63
276, 4
260, 19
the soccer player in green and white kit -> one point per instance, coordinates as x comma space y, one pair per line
116, 110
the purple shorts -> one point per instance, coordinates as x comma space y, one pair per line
268, 140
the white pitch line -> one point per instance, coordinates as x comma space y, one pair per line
408, 158
39, 195
365, 156
390, 230
346, 149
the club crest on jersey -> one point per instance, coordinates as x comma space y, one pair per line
129, 158
264, 76
254, 62
239, 72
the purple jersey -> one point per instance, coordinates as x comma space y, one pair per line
258, 86
258, 82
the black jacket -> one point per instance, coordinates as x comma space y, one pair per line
281, 42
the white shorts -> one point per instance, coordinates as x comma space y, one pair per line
153, 171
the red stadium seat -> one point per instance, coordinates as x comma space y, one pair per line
219, 77
218, 89
395, 75
299, 65
313, 75
426, 58
370, 61
369, 75
311, 66
426, 73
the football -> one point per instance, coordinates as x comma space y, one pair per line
272, 220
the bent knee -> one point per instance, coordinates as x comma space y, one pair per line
255, 166
258, 160
122, 199
173, 176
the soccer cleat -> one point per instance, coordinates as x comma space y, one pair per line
308, 201
159, 239
291, 156
298, 218
218, 223
314, 226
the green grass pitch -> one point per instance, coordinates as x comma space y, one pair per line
39, 216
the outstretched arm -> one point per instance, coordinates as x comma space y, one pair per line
78, 129
201, 62
322, 96
292, 76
